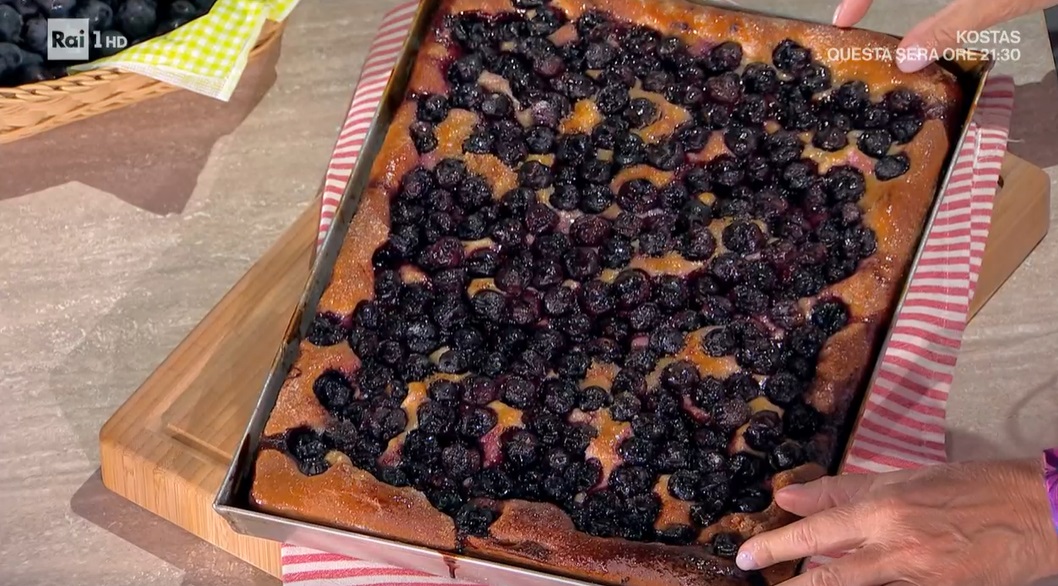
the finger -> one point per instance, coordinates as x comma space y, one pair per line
849, 12
832, 491
832, 531
825, 493
941, 31
870, 566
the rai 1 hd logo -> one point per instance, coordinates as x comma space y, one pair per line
69, 40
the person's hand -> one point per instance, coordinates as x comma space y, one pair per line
941, 31
981, 524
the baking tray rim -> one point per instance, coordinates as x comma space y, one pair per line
229, 502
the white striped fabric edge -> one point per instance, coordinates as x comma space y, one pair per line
374, 75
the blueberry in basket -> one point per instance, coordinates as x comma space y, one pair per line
113, 25
10, 24
620, 272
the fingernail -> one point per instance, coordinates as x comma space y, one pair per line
837, 13
912, 59
744, 560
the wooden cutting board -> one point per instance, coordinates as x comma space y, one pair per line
168, 447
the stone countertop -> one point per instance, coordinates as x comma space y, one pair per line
118, 234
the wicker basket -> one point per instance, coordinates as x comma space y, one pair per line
33, 108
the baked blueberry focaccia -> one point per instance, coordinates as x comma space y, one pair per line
620, 273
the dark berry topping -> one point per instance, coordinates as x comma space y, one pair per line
629, 481
599, 54
743, 140
553, 295
518, 392
474, 520
724, 89
892, 166
640, 112
751, 500
467, 96
852, 96
435, 418
637, 195
903, 101
496, 105
666, 155
333, 391
814, 78
629, 149
871, 117
743, 237
461, 461
595, 298
830, 138
559, 301
783, 388
844, 183
801, 421
637, 451
726, 545
466, 69
564, 197
593, 398
604, 135
326, 329
432, 108
790, 57
680, 376
786, 455
783, 147
904, 128
594, 25
582, 263
589, 230
540, 219
742, 385
422, 136
746, 468
875, 143
479, 142
540, 139
309, 449
534, 175
616, 252
730, 414
764, 431
760, 78
666, 339
830, 316
476, 422
625, 406
726, 56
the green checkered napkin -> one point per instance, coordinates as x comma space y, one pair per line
207, 55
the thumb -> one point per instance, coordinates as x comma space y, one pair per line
939, 32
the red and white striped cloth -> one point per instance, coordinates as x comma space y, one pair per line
903, 423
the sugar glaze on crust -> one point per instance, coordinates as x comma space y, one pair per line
539, 535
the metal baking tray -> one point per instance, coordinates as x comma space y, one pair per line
232, 499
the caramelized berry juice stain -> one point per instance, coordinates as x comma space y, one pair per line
451, 562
